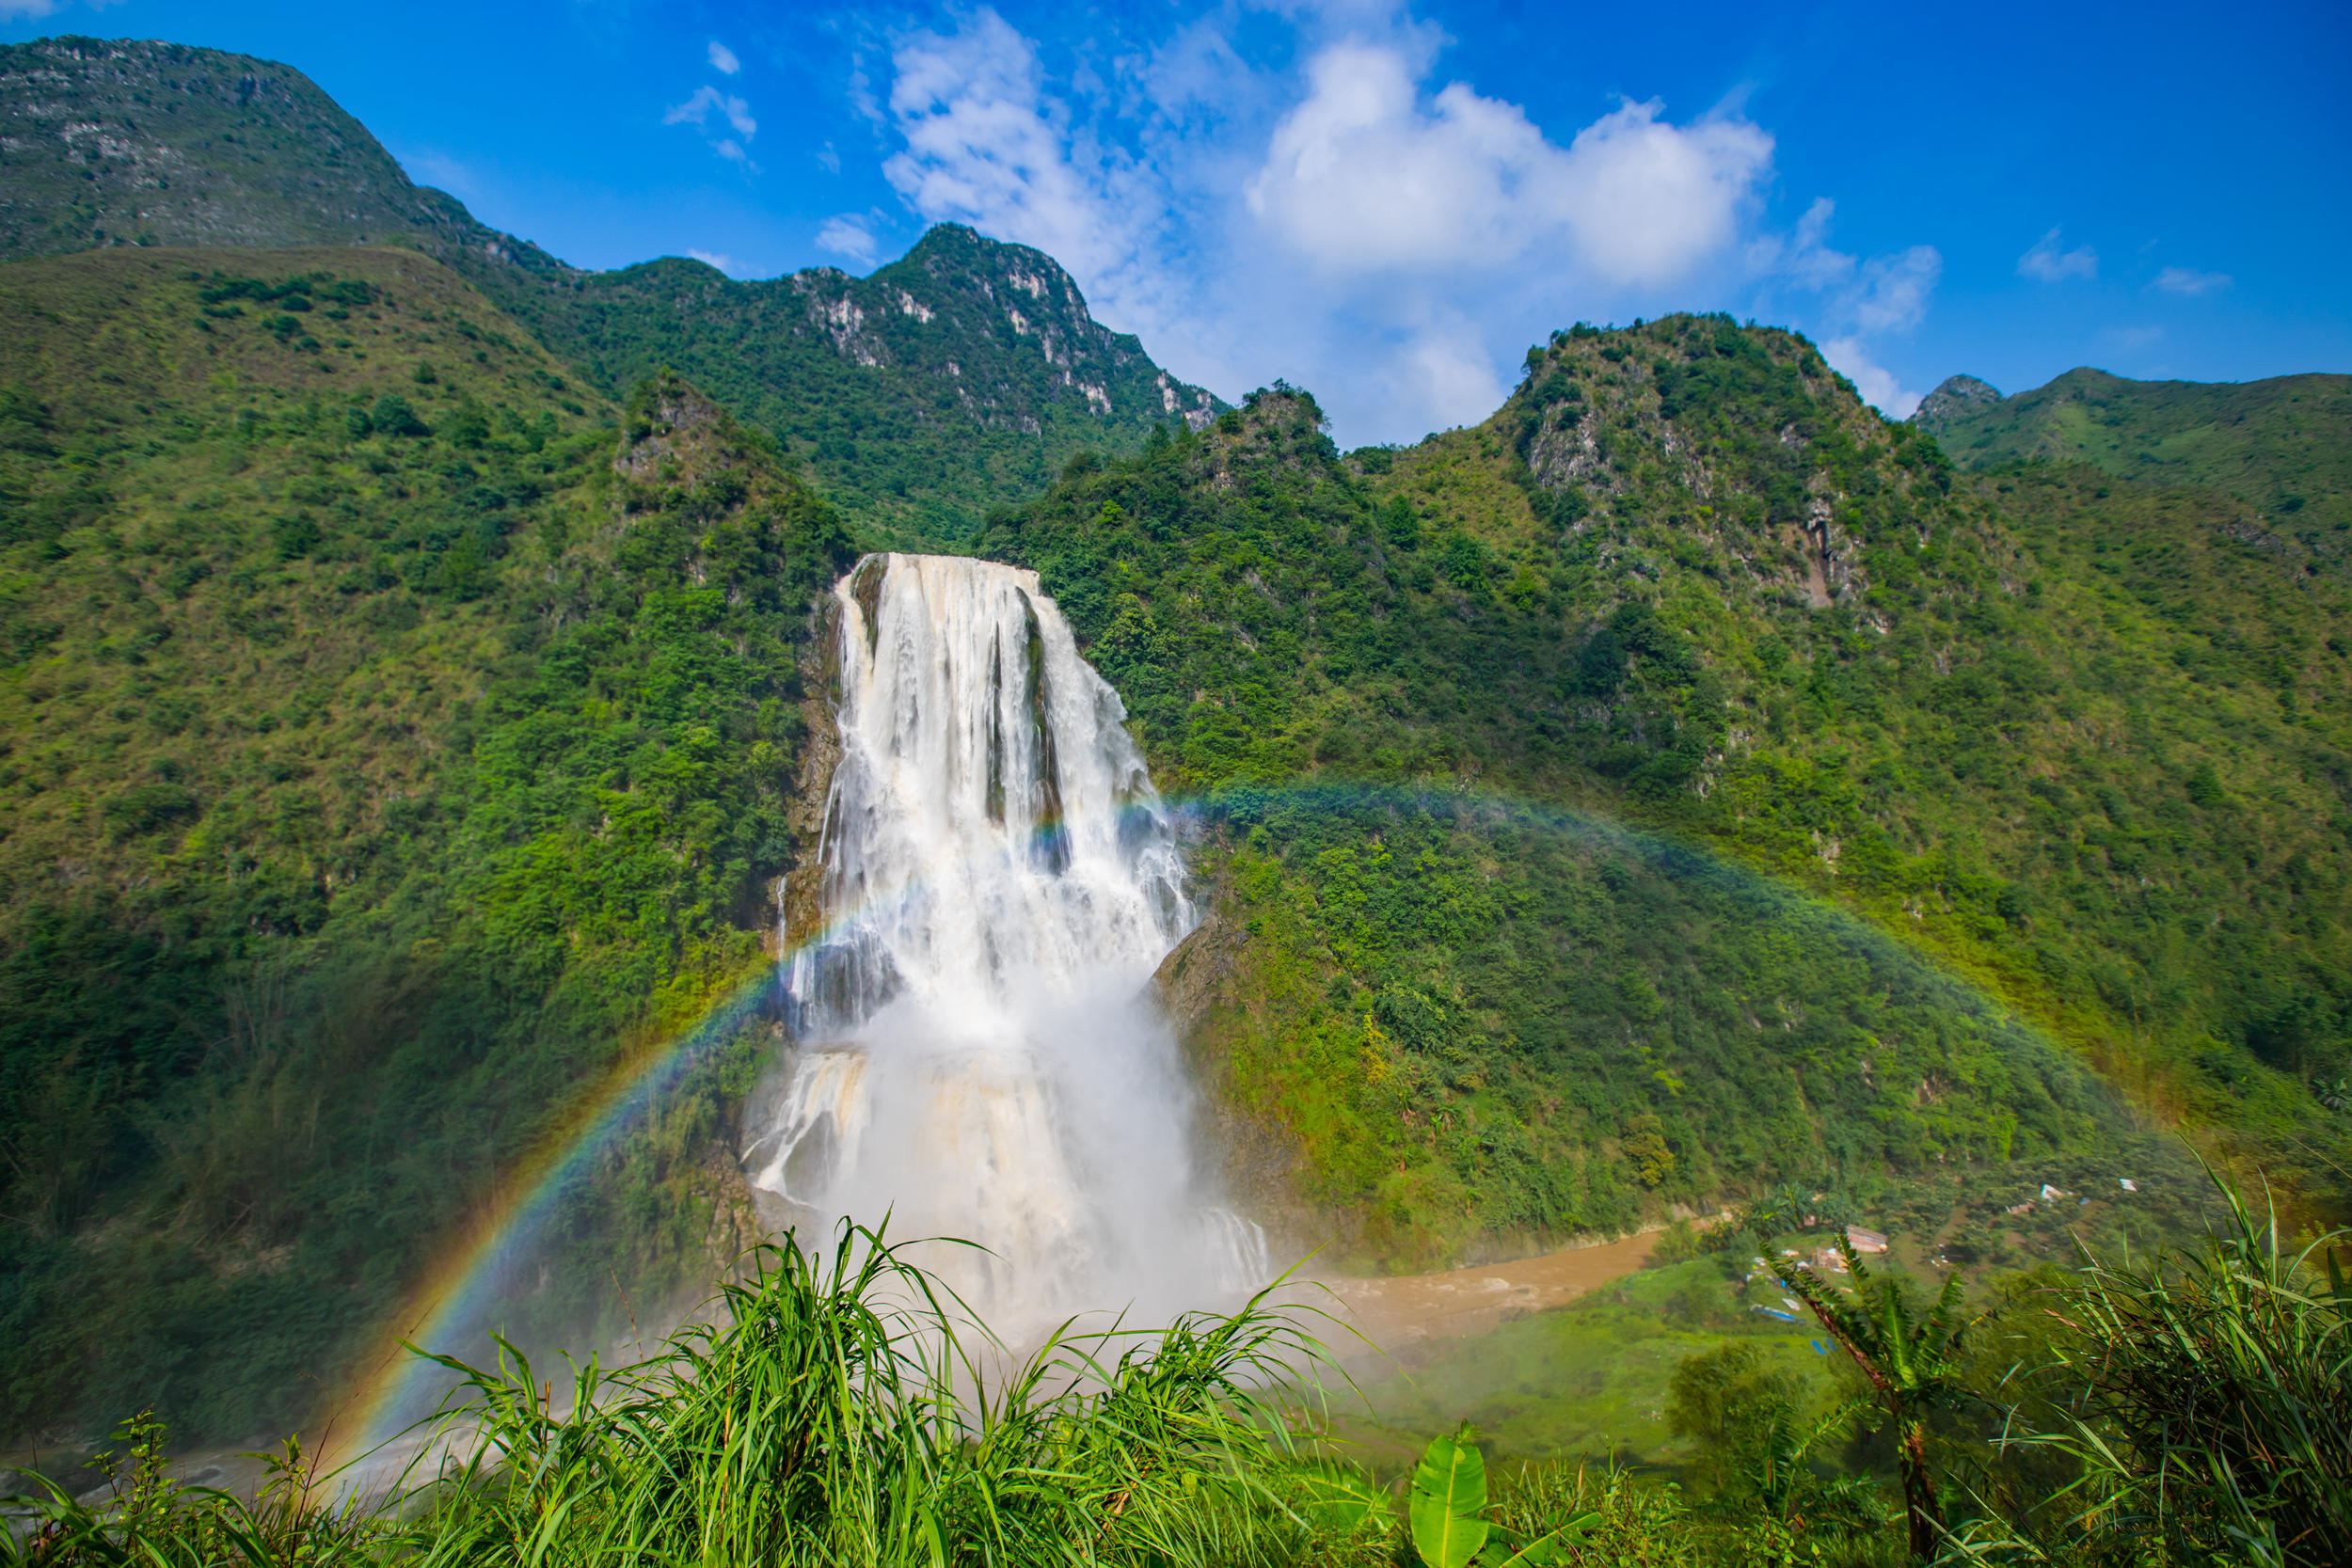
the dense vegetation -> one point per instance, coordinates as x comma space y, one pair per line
962, 375
957, 377
390, 745
1482, 1025
2275, 447
2089, 749
401, 686
2191, 1407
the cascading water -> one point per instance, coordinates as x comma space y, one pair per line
976, 1053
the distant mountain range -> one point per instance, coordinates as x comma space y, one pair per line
959, 377
2278, 445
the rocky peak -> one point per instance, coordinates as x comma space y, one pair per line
675, 434
1956, 398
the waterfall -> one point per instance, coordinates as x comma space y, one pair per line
977, 1052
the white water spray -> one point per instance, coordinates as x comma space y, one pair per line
978, 1055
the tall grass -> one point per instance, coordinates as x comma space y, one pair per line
2214, 1409
844, 1409
834, 1410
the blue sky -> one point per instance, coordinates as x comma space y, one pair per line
1388, 204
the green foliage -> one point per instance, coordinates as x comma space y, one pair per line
963, 376
2211, 1395
1471, 1016
1761, 1439
956, 379
1782, 628
1446, 1510
837, 1409
2275, 444
835, 1406
407, 788
1910, 1361
1447, 1501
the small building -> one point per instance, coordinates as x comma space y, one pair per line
1864, 1241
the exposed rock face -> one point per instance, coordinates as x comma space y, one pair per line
679, 441
1956, 398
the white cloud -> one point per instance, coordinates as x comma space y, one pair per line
1891, 293
1444, 368
14, 10
715, 258
986, 145
1361, 178
2189, 280
1391, 243
723, 59
849, 235
1852, 358
698, 110
2047, 262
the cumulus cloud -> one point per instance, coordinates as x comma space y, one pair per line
849, 235
723, 59
715, 258
12, 10
1392, 241
2047, 262
2189, 280
1361, 177
985, 145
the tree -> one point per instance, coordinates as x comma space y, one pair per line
1912, 1364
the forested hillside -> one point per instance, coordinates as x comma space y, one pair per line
1683, 785
960, 376
2090, 750
2276, 446
395, 736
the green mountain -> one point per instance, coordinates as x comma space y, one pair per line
394, 738
958, 378
131, 143
1683, 784
2276, 445
2085, 745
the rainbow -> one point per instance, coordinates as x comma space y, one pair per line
458, 1288
396, 1384
395, 1387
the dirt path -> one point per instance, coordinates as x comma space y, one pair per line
1405, 1310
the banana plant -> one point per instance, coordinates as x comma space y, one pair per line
1446, 1509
